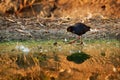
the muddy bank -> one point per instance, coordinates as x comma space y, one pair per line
12, 28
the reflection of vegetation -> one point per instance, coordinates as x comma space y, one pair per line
41, 57
47, 59
78, 57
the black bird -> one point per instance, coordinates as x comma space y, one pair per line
78, 29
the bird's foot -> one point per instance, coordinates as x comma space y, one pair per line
71, 42
81, 43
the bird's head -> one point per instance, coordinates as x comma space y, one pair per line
70, 28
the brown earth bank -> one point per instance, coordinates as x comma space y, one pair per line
62, 8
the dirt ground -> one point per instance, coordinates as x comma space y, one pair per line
12, 28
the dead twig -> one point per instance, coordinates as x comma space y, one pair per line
10, 20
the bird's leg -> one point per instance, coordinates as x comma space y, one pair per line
80, 38
74, 40
81, 42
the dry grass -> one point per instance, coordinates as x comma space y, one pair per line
62, 8
47, 61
